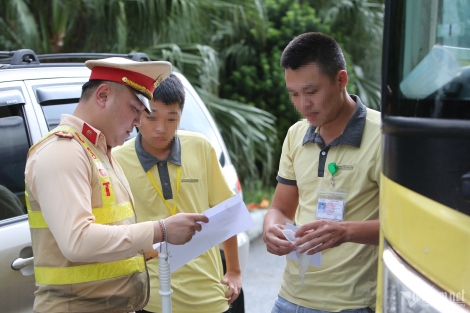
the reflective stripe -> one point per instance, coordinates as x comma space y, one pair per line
110, 212
26, 197
36, 220
113, 214
107, 215
88, 273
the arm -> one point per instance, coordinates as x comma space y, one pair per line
282, 210
233, 275
66, 206
180, 228
332, 234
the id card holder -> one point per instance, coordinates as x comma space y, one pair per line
331, 204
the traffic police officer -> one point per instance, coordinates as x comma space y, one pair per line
87, 246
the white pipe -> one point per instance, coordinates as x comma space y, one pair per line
165, 281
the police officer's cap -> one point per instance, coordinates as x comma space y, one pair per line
143, 77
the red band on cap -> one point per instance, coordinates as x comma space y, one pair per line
117, 74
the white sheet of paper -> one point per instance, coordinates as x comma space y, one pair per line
226, 220
315, 260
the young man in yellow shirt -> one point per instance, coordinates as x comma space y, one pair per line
170, 172
328, 184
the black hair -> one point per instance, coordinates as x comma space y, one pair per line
314, 47
89, 87
170, 91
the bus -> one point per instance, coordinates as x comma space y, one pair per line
424, 252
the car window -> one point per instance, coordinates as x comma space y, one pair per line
53, 113
14, 146
194, 119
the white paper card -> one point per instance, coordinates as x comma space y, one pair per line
315, 260
226, 220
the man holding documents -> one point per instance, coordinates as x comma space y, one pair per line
328, 185
170, 172
87, 245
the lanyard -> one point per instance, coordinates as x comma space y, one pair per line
159, 191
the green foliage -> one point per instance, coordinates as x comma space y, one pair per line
260, 82
355, 24
250, 134
258, 193
359, 25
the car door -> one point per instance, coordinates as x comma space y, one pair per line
16, 258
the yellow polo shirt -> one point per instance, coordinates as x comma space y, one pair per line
347, 277
197, 286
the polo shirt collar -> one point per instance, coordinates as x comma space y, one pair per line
148, 161
352, 134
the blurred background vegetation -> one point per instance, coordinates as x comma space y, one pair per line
228, 49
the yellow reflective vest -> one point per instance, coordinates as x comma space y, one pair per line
87, 287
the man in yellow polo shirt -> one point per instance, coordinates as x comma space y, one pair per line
171, 172
330, 161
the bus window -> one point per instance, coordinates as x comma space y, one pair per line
433, 57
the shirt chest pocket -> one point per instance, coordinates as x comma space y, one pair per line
346, 176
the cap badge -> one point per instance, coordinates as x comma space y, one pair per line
63, 134
138, 87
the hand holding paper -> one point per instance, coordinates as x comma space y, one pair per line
225, 220
303, 258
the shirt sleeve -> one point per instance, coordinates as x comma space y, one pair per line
60, 180
286, 173
219, 189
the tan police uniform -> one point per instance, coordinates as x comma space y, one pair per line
87, 247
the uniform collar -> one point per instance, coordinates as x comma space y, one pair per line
148, 161
93, 135
352, 134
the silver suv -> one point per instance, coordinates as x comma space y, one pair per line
33, 95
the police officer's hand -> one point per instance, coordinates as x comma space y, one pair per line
275, 241
182, 227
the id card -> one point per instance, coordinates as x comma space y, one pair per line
331, 204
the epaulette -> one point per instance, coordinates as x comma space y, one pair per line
63, 134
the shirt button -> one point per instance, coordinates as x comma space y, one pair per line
166, 184
323, 153
161, 163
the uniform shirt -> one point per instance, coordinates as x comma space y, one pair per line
61, 179
347, 277
196, 286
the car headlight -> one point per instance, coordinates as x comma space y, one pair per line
406, 291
